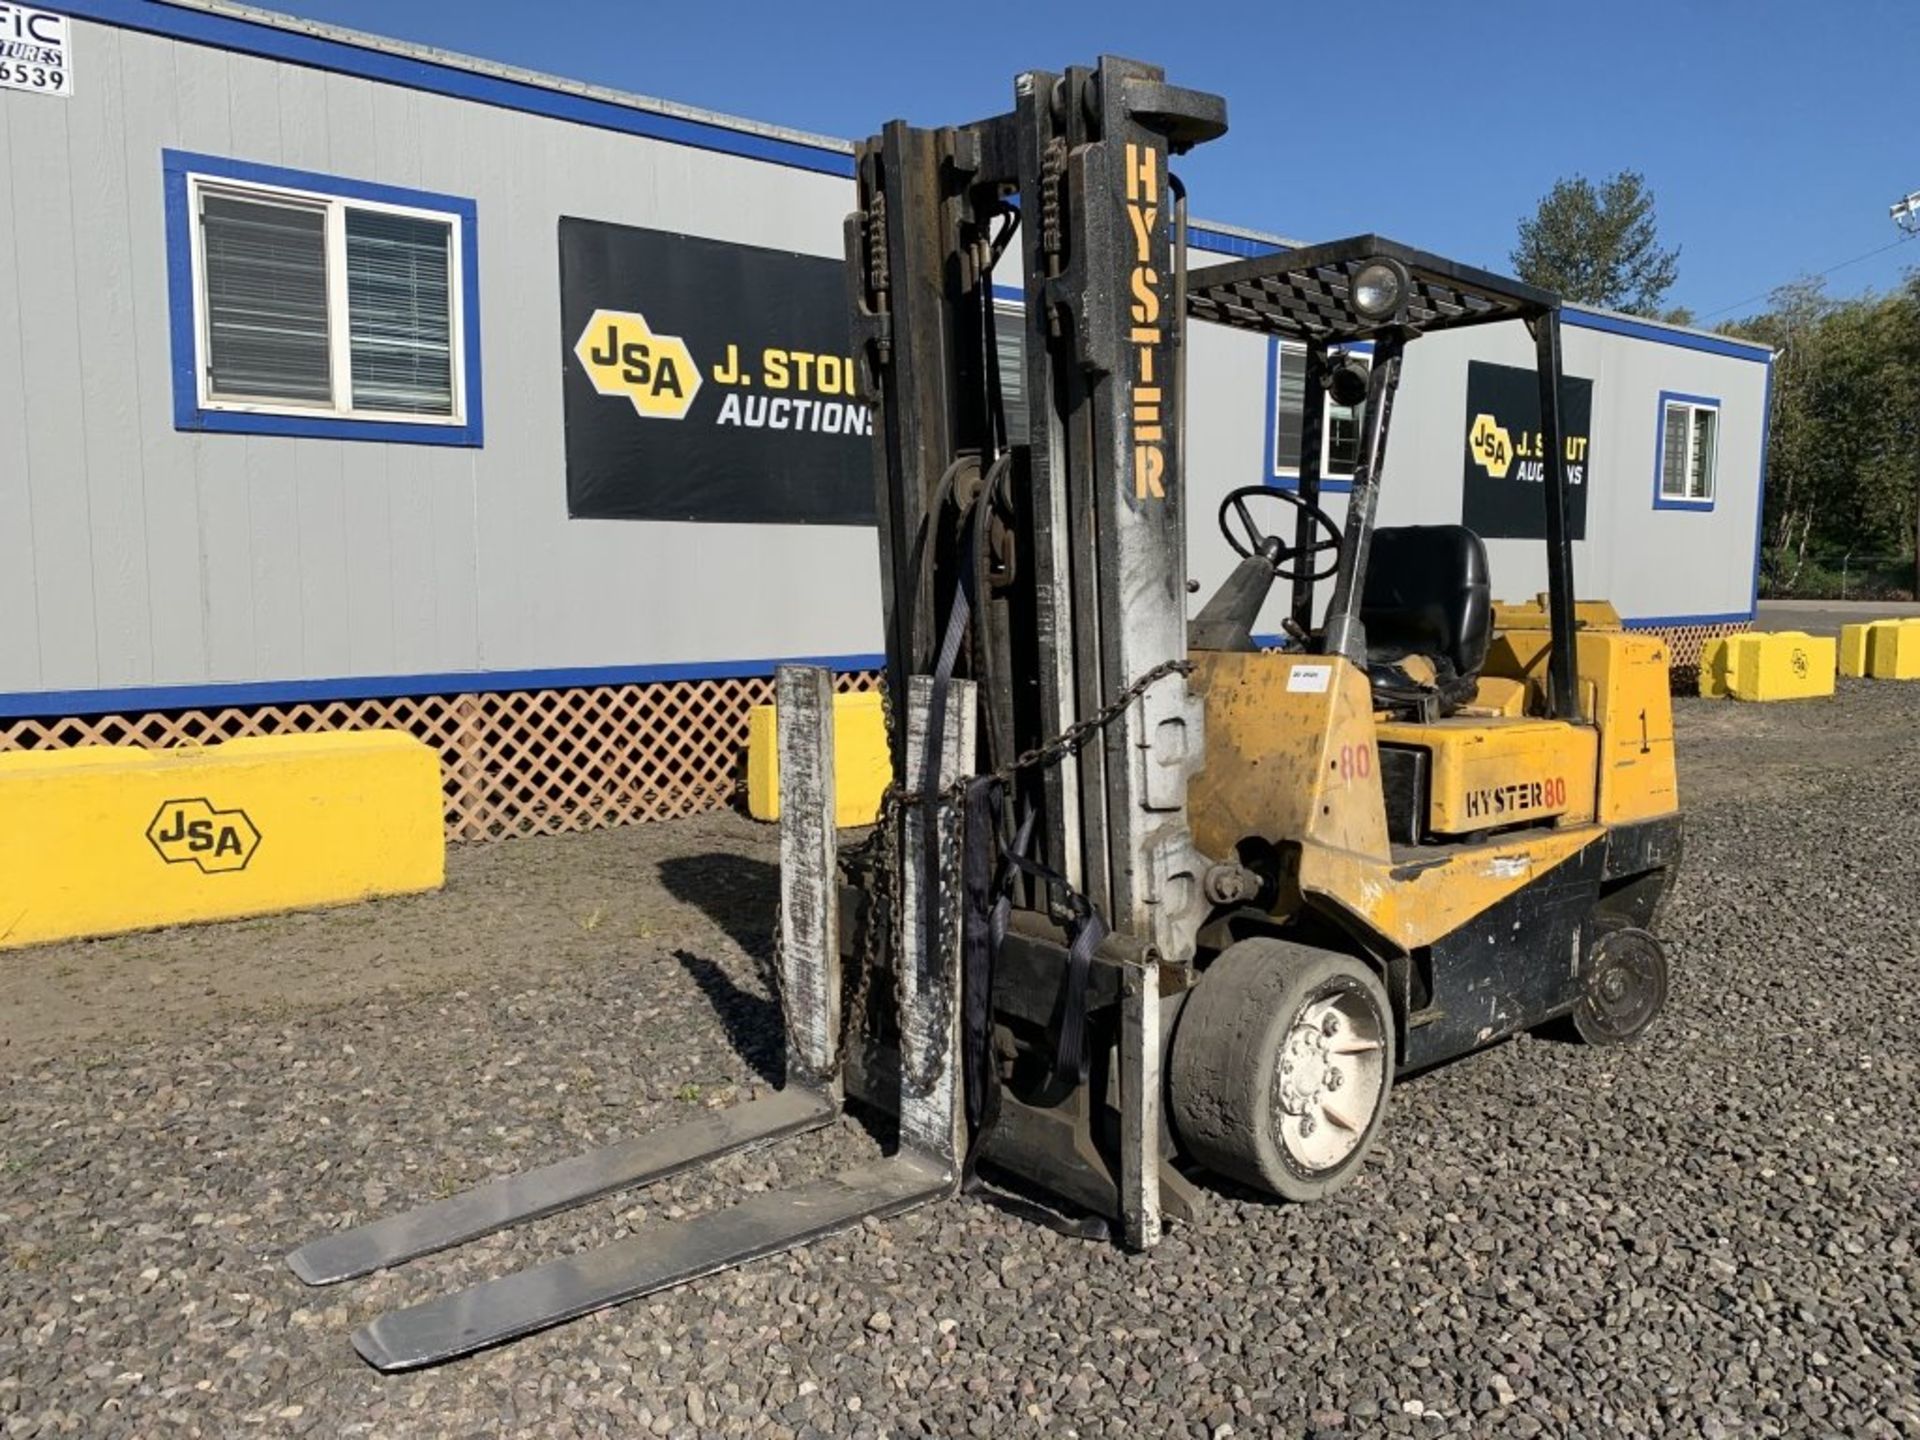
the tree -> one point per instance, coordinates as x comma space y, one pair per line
1598, 246
1843, 465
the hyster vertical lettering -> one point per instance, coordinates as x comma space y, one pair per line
1147, 899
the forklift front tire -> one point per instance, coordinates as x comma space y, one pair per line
1281, 1067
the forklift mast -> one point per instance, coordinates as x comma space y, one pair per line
1062, 543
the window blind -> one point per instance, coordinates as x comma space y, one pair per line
266, 278
1341, 430
1700, 478
1290, 407
399, 323
1343, 437
1673, 453
1009, 342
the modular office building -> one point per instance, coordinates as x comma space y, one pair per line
346, 383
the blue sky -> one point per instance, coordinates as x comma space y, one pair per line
1774, 135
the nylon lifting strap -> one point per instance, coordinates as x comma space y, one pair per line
984, 922
1085, 928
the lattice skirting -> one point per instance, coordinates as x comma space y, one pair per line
1686, 642
531, 762
544, 762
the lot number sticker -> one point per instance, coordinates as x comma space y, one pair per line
1309, 679
36, 51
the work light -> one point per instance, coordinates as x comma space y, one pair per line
1379, 290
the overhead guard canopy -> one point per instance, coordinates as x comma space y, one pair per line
1306, 294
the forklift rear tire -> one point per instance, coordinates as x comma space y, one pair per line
1281, 1067
1623, 986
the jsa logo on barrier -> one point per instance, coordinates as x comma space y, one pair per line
193, 832
624, 358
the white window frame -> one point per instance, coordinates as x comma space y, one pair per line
339, 338
1289, 469
1690, 406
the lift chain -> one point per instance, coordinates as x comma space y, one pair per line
879, 270
896, 802
881, 848
1051, 752
1053, 173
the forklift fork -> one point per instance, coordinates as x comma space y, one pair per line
926, 1166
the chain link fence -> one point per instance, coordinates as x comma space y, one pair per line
1837, 575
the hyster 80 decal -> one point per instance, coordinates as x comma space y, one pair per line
1149, 437
1493, 800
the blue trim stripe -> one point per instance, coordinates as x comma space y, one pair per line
1661, 335
226, 32
177, 166
1221, 243
55, 703
1673, 622
1662, 502
1760, 497
1270, 462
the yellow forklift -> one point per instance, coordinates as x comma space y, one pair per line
1147, 900
1451, 819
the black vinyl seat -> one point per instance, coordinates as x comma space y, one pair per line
1427, 595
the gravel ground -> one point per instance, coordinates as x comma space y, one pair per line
1711, 1234
1825, 617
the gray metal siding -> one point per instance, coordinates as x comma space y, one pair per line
136, 555
1651, 563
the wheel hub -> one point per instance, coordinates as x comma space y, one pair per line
1626, 984
1328, 1079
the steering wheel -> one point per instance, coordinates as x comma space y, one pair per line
1276, 551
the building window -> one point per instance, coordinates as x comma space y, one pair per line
323, 307
1339, 431
1010, 350
1689, 451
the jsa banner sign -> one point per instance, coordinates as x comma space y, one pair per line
1505, 490
708, 381
36, 51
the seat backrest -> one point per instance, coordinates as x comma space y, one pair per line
1427, 593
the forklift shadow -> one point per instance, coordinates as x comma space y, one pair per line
740, 895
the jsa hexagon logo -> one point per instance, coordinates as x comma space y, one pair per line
623, 357
193, 832
1491, 446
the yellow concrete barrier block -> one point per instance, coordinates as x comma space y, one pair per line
1893, 650
1533, 614
862, 768
1715, 658
1782, 665
1853, 645
103, 839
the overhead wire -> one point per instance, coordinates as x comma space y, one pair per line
1818, 275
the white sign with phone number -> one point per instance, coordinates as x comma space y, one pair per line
36, 51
